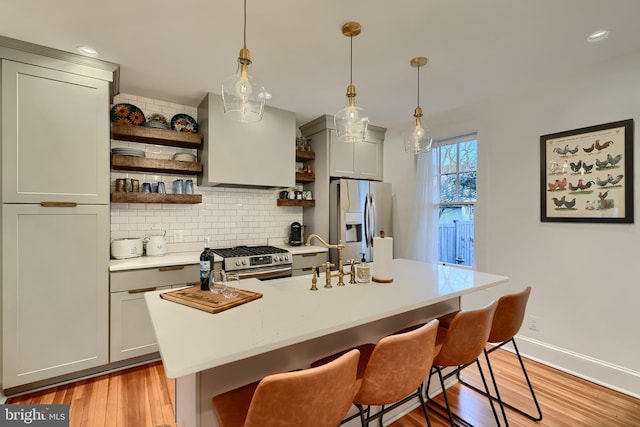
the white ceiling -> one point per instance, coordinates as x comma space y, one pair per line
179, 50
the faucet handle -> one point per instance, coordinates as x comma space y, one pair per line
314, 279
352, 271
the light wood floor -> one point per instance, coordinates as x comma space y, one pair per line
144, 397
136, 397
565, 400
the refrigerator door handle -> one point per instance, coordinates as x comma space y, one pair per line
372, 208
366, 220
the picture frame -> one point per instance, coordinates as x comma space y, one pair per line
586, 175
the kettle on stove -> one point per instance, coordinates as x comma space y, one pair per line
295, 234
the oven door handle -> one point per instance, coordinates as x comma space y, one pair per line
271, 273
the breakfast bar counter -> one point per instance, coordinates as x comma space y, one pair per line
290, 326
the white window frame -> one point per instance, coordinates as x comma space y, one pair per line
450, 141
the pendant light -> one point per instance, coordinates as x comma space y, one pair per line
242, 96
351, 122
418, 137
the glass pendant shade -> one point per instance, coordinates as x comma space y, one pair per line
351, 122
242, 96
417, 138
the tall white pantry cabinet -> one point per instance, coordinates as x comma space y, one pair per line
55, 216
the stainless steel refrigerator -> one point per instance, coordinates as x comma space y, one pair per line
358, 211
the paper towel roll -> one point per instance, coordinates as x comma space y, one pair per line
382, 256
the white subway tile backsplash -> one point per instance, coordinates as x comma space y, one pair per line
228, 216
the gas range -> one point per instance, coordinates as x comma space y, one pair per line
256, 261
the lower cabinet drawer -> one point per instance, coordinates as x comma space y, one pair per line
131, 330
153, 277
306, 261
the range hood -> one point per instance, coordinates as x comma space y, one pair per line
255, 155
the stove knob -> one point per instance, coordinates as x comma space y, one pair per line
244, 262
285, 258
238, 263
276, 258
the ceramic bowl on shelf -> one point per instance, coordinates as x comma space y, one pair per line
184, 157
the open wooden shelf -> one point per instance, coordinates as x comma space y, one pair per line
305, 177
185, 199
297, 202
305, 156
144, 164
155, 136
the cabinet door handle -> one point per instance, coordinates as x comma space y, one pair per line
307, 269
172, 268
58, 204
310, 254
139, 291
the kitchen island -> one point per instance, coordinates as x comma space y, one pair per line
291, 326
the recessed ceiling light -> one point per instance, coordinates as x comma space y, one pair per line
596, 36
87, 51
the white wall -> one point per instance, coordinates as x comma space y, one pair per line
586, 295
229, 216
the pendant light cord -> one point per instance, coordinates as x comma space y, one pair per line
351, 61
245, 23
418, 86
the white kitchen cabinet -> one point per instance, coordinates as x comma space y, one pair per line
55, 291
303, 263
55, 136
131, 330
260, 154
358, 160
55, 214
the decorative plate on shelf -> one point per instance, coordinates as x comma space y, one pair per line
127, 114
184, 123
156, 120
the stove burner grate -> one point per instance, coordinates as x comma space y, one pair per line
239, 251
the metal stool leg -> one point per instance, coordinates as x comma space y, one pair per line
537, 417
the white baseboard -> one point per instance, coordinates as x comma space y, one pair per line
612, 376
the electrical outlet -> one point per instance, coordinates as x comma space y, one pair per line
533, 323
178, 236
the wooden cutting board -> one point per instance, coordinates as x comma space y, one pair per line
208, 301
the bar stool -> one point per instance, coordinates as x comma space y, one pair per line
392, 372
459, 346
315, 397
506, 324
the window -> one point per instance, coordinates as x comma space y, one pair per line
457, 170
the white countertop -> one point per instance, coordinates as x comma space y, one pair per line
298, 250
177, 258
192, 257
192, 340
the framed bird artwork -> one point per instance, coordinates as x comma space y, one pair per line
586, 175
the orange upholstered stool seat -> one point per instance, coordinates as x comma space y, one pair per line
458, 346
392, 372
315, 397
507, 321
